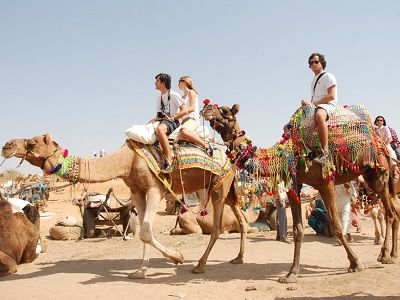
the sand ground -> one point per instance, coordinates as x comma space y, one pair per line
98, 268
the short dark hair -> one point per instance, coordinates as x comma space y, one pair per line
166, 79
321, 59
380, 117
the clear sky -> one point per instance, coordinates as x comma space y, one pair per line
84, 70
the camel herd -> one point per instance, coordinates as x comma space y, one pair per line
147, 190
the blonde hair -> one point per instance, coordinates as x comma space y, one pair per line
189, 82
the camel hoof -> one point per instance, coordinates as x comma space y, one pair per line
394, 255
198, 270
355, 269
178, 259
387, 260
139, 274
290, 278
378, 241
237, 261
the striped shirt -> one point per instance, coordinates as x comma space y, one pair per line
395, 139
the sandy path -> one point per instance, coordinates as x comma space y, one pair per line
98, 268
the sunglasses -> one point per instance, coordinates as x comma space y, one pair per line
311, 62
379, 120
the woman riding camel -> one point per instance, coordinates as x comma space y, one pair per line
383, 131
191, 121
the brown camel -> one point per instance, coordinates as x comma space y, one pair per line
19, 237
147, 190
193, 221
223, 119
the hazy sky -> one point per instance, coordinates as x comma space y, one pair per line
84, 70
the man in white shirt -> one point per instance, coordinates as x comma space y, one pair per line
324, 97
170, 110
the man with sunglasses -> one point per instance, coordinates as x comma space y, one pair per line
324, 97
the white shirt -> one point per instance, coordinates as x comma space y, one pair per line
321, 90
384, 133
194, 114
170, 107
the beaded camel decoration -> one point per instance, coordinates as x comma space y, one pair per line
289, 161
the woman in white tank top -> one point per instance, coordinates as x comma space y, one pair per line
191, 121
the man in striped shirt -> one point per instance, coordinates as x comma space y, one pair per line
395, 144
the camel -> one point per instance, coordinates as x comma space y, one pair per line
147, 190
223, 119
19, 237
194, 221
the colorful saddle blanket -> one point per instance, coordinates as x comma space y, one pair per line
350, 133
186, 157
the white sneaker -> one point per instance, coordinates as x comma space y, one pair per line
322, 159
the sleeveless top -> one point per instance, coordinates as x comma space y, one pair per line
194, 114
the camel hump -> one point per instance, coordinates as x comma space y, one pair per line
349, 129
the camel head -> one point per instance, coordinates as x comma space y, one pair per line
40, 151
223, 120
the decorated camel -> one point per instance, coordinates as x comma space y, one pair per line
290, 162
132, 163
196, 219
19, 237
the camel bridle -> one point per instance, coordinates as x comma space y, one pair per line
36, 155
227, 121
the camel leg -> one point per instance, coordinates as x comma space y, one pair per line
374, 215
384, 256
298, 234
147, 212
395, 234
7, 265
381, 218
186, 224
153, 197
139, 200
218, 201
328, 195
243, 232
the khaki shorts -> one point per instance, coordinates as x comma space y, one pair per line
190, 124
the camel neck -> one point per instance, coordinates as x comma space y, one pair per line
106, 168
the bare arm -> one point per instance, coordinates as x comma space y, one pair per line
192, 97
182, 112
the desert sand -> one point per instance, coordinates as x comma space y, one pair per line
98, 268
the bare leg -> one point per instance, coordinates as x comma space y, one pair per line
163, 139
192, 137
320, 118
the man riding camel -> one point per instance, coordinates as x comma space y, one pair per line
170, 110
324, 97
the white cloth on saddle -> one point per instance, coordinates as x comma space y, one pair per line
146, 134
17, 204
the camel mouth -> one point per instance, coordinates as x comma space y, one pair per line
8, 152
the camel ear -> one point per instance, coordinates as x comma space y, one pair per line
235, 109
47, 138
